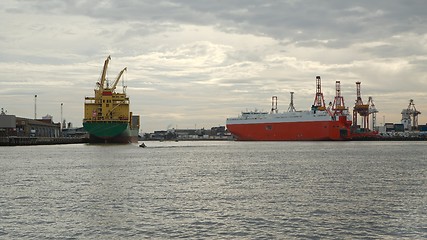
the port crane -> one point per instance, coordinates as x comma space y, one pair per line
372, 110
410, 116
319, 101
360, 109
338, 106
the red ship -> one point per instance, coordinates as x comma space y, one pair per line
319, 123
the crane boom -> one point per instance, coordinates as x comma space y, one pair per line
104, 73
118, 78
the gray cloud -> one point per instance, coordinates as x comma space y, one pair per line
197, 62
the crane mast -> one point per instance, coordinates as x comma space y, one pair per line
117, 79
372, 110
319, 101
338, 106
360, 109
410, 116
104, 73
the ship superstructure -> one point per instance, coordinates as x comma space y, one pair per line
107, 117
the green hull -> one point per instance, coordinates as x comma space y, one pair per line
108, 131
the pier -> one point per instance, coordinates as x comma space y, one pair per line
25, 141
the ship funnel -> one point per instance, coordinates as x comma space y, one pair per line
274, 104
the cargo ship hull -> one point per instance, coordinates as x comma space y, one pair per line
300, 126
297, 131
110, 132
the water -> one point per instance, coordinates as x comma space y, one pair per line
215, 190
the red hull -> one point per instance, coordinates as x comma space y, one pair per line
291, 131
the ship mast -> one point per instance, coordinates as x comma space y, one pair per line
291, 107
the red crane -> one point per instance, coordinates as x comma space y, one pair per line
360, 109
319, 101
338, 106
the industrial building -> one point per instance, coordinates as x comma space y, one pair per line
12, 126
17, 131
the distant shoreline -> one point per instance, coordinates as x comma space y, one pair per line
28, 141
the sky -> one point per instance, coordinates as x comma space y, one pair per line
192, 64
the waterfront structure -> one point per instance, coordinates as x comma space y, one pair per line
10, 125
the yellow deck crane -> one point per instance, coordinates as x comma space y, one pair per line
107, 104
104, 74
113, 88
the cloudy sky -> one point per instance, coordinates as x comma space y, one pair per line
195, 63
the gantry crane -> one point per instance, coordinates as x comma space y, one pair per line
360, 109
372, 110
410, 116
319, 101
338, 106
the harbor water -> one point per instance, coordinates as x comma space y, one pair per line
215, 190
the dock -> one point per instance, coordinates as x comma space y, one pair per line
25, 141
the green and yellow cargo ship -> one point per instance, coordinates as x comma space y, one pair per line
107, 117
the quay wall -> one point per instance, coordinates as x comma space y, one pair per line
24, 141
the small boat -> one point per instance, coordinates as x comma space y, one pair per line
142, 145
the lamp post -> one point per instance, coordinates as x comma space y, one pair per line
61, 118
35, 106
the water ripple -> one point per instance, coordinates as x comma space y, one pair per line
215, 190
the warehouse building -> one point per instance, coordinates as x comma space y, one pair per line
10, 126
